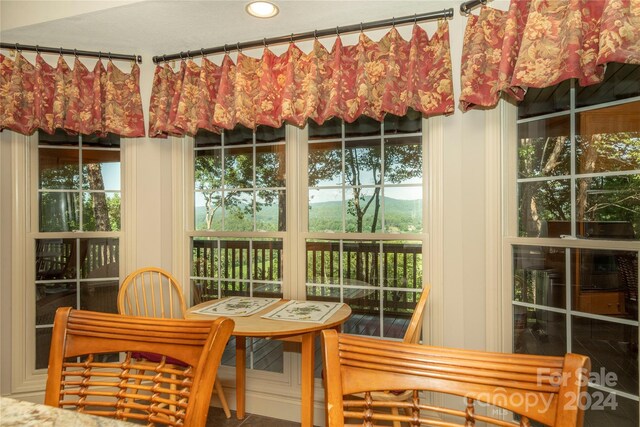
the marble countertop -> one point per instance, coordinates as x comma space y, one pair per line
15, 413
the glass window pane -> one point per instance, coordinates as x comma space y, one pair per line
99, 258
43, 344
363, 210
233, 288
208, 169
540, 203
402, 264
604, 282
267, 261
101, 211
545, 101
360, 263
362, 126
325, 164
323, 293
60, 138
110, 140
205, 138
539, 275
99, 296
403, 160
239, 135
608, 139
362, 162
204, 257
203, 290
59, 211
409, 123
271, 214
608, 409
270, 134
59, 169
332, 128
234, 260
100, 170
270, 166
539, 332
265, 355
238, 211
50, 296
398, 308
609, 207
614, 357
325, 210
323, 262
403, 209
208, 210
621, 81
365, 319
267, 290
55, 259
238, 167
364, 301
544, 147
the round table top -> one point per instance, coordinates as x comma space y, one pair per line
257, 326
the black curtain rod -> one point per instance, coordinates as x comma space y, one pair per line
445, 13
75, 52
468, 6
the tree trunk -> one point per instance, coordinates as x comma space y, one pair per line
100, 208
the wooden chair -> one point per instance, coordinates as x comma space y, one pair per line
154, 292
544, 389
412, 336
81, 376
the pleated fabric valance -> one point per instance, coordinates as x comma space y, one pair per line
369, 79
540, 43
80, 101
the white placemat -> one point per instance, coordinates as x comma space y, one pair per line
304, 311
238, 306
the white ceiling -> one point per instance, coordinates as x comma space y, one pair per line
153, 27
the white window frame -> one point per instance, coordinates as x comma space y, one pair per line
509, 213
27, 381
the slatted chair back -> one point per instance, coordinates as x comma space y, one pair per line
86, 374
543, 389
414, 331
151, 292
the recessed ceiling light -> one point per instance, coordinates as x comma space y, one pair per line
262, 9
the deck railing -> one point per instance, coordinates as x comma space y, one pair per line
237, 262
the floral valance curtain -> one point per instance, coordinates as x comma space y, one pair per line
77, 100
539, 43
349, 81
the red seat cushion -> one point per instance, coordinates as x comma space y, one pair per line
156, 358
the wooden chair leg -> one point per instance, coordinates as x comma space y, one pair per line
223, 400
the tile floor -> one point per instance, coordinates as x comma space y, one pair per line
216, 418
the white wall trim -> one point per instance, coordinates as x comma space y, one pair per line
434, 210
509, 128
129, 210
24, 378
493, 229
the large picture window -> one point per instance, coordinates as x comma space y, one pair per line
575, 257
360, 221
365, 183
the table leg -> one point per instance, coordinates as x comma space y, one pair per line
241, 354
308, 343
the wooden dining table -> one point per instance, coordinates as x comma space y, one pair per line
256, 326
